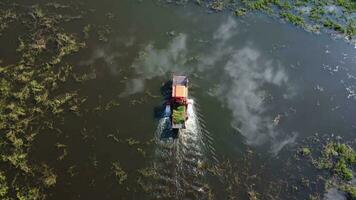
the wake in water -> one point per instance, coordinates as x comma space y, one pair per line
179, 163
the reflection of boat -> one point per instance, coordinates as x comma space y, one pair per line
178, 103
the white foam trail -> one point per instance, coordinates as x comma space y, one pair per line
177, 162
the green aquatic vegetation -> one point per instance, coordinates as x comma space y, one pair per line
199, 2
333, 25
7, 16
342, 169
67, 44
56, 105
349, 5
147, 177
309, 14
305, 151
62, 147
56, 5
103, 33
240, 11
4, 188
258, 4
29, 194
111, 104
351, 29
132, 141
106, 106
297, 20
31, 92
87, 30
350, 190
252, 195
116, 137
17, 159
5, 87
338, 158
49, 178
285, 5
141, 151
148, 172
316, 13
119, 173
217, 5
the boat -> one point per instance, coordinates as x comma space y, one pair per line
178, 104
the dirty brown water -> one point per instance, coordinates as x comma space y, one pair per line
259, 85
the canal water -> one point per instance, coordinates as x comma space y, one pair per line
259, 85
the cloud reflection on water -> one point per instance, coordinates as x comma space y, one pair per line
334, 194
244, 73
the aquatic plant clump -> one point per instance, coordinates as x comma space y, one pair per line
32, 97
119, 173
337, 16
7, 16
339, 159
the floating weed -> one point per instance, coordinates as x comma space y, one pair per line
147, 178
119, 173
141, 151
308, 14
131, 141
71, 171
103, 33
7, 16
30, 95
217, 5
349, 189
148, 172
30, 193
67, 45
305, 151
111, 104
87, 30
62, 147
252, 195
49, 178
338, 159
114, 137
240, 12
4, 188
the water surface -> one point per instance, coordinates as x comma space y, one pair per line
258, 84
